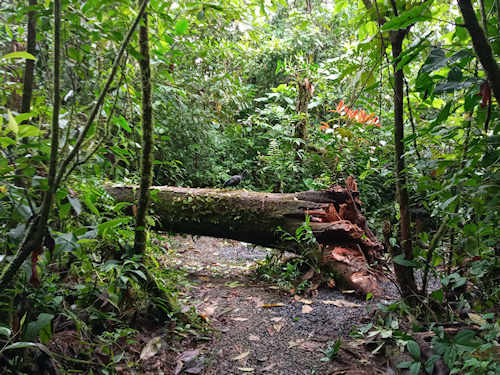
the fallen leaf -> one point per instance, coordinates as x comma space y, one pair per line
478, 319
246, 369
270, 331
278, 326
277, 319
209, 310
178, 368
310, 345
194, 370
269, 368
302, 300
254, 338
292, 343
241, 356
268, 305
151, 348
348, 291
257, 300
238, 319
204, 278
188, 355
306, 309
341, 303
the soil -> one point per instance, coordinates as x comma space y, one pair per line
256, 328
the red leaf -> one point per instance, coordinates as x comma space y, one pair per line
485, 93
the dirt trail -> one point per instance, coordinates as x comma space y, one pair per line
258, 329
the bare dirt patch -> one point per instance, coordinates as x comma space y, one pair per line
259, 329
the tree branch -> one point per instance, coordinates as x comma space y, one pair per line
481, 46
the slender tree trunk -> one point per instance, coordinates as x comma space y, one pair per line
481, 46
404, 274
147, 139
37, 229
29, 68
304, 94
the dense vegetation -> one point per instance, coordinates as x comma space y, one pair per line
401, 94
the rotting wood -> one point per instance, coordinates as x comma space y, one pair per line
348, 245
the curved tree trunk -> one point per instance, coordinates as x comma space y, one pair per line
481, 46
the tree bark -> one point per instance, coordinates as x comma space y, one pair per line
262, 218
147, 139
404, 274
481, 46
304, 94
29, 68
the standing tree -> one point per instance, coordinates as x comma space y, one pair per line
481, 46
29, 69
147, 139
398, 28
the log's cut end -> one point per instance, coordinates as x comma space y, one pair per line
351, 269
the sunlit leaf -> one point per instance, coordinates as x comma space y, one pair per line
20, 54
415, 14
181, 26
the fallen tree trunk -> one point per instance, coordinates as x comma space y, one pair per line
262, 218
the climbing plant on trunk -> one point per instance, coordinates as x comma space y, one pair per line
147, 139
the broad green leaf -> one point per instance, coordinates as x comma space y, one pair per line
400, 259
415, 368
123, 124
442, 116
66, 242
22, 55
23, 116
415, 14
101, 228
21, 345
437, 295
414, 349
181, 26
465, 337
90, 205
12, 124
6, 141
76, 204
34, 329
4, 331
28, 131
446, 203
436, 60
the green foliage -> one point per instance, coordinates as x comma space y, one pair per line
224, 101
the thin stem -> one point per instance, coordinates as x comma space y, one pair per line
100, 100
412, 122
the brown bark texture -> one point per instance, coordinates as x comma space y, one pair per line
305, 92
29, 68
348, 245
404, 274
481, 46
